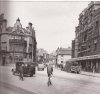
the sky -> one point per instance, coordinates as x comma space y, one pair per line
54, 22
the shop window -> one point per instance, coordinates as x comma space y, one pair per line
25, 55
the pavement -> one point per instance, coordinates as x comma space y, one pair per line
38, 83
90, 74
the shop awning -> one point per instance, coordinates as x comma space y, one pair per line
85, 58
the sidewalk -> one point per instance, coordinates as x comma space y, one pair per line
90, 74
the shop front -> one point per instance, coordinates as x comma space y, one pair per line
89, 63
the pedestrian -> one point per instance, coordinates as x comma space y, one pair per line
21, 69
61, 66
49, 72
3, 60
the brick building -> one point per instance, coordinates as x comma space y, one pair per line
16, 43
88, 38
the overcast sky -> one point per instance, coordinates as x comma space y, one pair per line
54, 22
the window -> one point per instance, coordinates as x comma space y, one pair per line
61, 61
85, 36
95, 44
61, 55
97, 25
89, 45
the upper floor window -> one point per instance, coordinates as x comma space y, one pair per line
89, 45
85, 37
97, 27
97, 24
95, 45
61, 61
61, 55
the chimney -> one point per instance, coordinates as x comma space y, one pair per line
1, 16
30, 25
18, 19
4, 25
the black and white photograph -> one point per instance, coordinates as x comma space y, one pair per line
49, 47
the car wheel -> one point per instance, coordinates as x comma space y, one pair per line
38, 69
31, 75
77, 72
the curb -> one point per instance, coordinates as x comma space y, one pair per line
89, 75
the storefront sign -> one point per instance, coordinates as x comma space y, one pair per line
85, 57
89, 57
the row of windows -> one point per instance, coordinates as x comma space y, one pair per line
89, 46
89, 33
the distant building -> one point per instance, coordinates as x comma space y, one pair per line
16, 43
62, 55
42, 55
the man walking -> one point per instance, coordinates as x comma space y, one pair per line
21, 69
49, 72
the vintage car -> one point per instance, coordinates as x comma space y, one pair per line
75, 68
28, 68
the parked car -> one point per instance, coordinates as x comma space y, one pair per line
28, 68
40, 66
75, 68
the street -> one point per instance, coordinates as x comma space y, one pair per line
62, 83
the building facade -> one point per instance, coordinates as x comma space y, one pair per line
88, 38
62, 55
16, 43
75, 44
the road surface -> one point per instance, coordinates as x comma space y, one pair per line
63, 83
